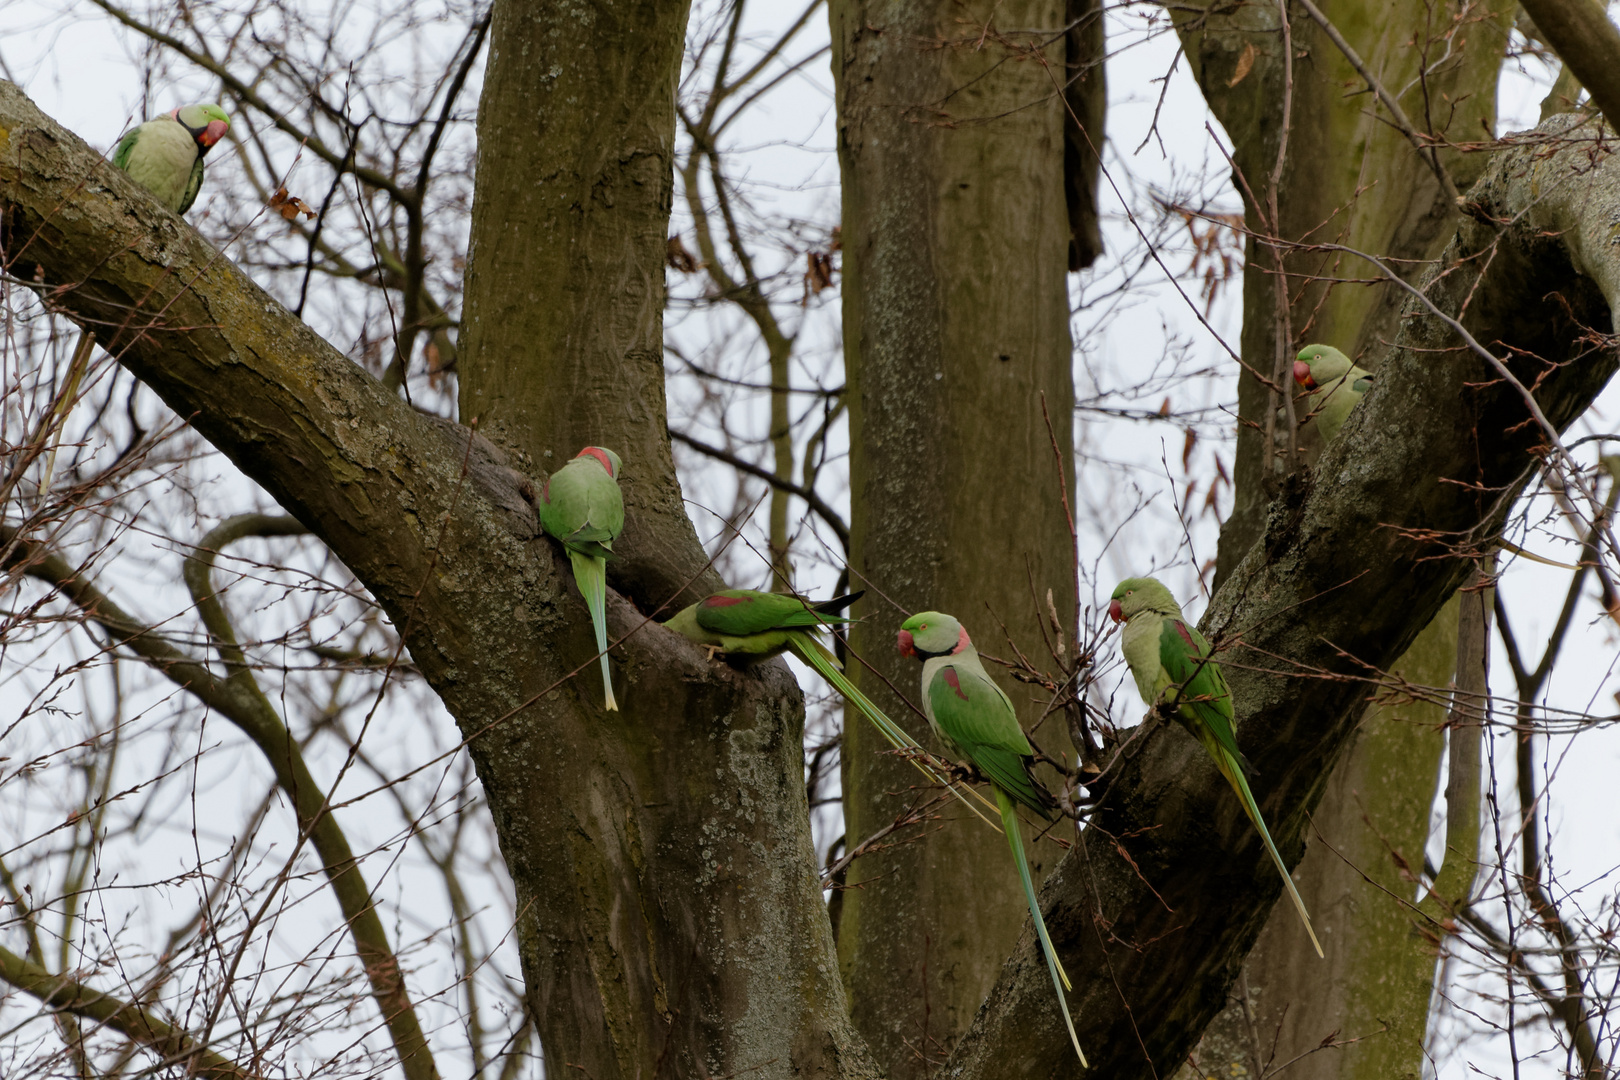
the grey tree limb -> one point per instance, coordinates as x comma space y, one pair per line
69, 995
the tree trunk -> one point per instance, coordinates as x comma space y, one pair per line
956, 232
562, 341
654, 940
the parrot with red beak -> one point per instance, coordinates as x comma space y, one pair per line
1172, 666
974, 719
1333, 384
165, 155
581, 506
749, 625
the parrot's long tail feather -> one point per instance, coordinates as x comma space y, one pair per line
1060, 978
1234, 776
64, 404
590, 574
807, 648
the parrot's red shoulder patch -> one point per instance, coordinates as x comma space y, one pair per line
593, 452
545, 491
1181, 628
954, 682
726, 601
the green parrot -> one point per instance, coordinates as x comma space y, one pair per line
580, 505
975, 720
1335, 386
1171, 662
755, 625
165, 155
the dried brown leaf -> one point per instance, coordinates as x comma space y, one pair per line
678, 258
1245, 65
289, 206
818, 272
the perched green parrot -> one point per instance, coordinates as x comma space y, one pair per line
580, 505
755, 625
975, 720
165, 156
1335, 386
1171, 662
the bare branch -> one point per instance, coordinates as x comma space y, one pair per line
72, 996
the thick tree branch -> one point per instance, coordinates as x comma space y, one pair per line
1589, 45
72, 996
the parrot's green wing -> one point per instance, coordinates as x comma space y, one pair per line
740, 612
1205, 706
193, 186
580, 504
976, 715
125, 147
1197, 685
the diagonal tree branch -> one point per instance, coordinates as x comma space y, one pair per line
72, 996
1588, 43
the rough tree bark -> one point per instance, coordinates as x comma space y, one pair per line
562, 340
956, 239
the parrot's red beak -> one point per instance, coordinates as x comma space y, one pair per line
1302, 375
1116, 612
908, 647
214, 132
